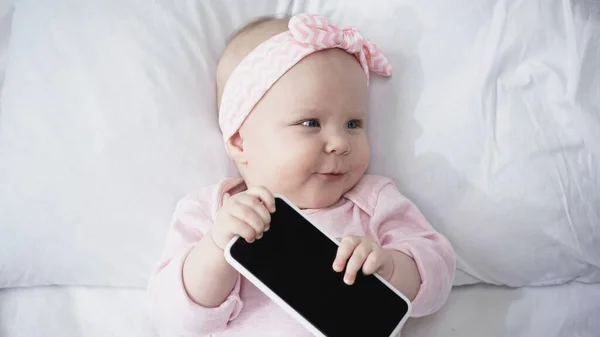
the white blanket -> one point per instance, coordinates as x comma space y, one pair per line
569, 310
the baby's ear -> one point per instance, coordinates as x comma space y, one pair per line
235, 148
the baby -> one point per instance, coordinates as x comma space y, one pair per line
293, 111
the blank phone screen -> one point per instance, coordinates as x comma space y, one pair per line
294, 259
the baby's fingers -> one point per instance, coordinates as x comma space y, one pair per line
265, 196
372, 263
358, 258
344, 252
241, 228
250, 219
258, 207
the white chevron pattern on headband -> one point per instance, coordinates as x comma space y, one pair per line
258, 71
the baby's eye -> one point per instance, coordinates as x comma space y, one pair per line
354, 124
311, 123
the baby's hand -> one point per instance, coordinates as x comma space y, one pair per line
246, 214
355, 252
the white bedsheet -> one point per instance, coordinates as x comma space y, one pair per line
569, 310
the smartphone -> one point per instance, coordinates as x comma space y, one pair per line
293, 264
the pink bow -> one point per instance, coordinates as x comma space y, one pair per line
318, 31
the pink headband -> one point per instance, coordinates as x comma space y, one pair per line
258, 71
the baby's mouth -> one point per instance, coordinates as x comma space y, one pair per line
331, 175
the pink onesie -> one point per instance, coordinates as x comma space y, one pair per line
373, 208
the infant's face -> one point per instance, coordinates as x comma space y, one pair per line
306, 139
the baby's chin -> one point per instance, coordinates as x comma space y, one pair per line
316, 199
316, 196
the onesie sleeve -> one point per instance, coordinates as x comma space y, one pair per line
399, 225
169, 306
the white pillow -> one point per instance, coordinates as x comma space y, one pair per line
6, 11
108, 117
107, 120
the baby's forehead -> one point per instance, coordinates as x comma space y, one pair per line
323, 84
243, 42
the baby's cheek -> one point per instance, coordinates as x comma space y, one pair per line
286, 162
274, 168
362, 154
290, 168
289, 171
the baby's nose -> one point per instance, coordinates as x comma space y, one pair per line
338, 144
